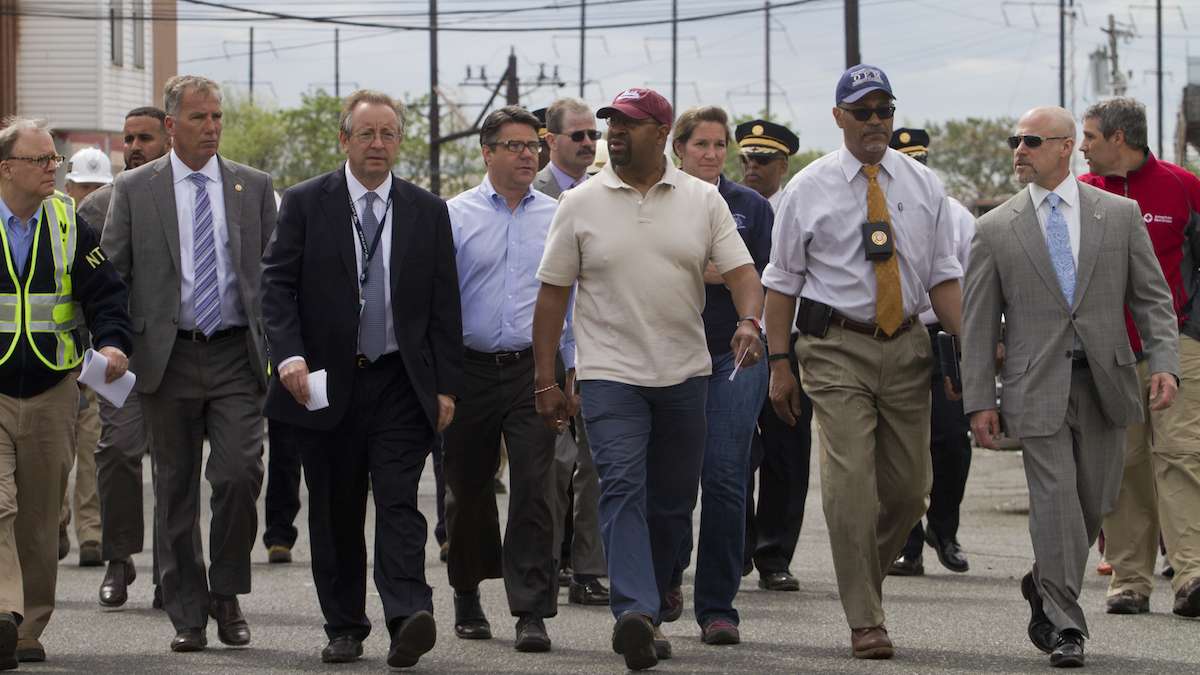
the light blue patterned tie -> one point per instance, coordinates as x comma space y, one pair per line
372, 325
1058, 240
206, 297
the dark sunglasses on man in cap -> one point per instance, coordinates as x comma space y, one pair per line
578, 136
883, 112
1031, 140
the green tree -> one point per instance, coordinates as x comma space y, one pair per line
251, 134
312, 139
972, 158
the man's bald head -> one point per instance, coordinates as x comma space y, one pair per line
1045, 139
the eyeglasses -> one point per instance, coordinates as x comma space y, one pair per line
883, 112
1031, 141
367, 136
578, 136
42, 161
515, 147
761, 160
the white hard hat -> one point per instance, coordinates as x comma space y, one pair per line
90, 165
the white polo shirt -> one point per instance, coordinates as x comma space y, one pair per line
639, 264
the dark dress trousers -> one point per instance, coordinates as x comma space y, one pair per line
380, 422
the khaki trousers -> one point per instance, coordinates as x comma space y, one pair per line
871, 399
87, 501
37, 435
1161, 488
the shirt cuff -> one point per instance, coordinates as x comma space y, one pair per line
782, 281
289, 360
945, 269
553, 279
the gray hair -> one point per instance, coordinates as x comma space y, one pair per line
179, 85
1121, 114
559, 109
345, 124
11, 129
515, 114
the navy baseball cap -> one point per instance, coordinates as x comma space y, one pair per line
860, 80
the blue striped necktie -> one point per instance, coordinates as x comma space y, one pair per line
1058, 240
206, 297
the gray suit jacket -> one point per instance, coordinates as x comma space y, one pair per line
141, 238
1011, 275
545, 182
94, 208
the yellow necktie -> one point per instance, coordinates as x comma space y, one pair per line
889, 299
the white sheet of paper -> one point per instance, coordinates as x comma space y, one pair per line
94, 365
318, 396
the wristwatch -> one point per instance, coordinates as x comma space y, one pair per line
753, 320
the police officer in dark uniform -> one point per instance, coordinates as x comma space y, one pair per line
948, 442
544, 155
780, 453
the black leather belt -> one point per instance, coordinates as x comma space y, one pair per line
839, 319
499, 358
361, 361
1078, 359
197, 336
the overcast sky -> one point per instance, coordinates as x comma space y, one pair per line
945, 58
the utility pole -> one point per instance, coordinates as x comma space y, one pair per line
435, 148
337, 65
512, 94
853, 53
1062, 53
767, 58
1115, 33
582, 43
251, 65
674, 52
1159, 72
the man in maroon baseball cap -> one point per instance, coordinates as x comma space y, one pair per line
639, 104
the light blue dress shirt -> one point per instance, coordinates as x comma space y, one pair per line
498, 252
20, 235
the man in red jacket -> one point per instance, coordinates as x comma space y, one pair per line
1161, 486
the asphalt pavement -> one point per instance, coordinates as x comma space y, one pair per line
941, 622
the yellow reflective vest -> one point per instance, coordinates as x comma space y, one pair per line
39, 305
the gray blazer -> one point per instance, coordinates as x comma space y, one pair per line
94, 208
141, 238
1011, 275
546, 183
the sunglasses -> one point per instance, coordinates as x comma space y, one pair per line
578, 136
883, 112
1031, 141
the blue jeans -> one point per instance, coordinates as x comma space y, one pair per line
732, 413
648, 444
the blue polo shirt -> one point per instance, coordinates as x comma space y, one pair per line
754, 219
20, 235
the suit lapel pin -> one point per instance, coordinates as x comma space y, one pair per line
237, 186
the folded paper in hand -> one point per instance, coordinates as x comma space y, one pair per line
318, 395
94, 366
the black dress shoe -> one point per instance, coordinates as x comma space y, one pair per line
189, 640
531, 635
1041, 631
1068, 652
470, 623
905, 566
114, 588
232, 628
949, 553
672, 605
778, 581
30, 650
413, 637
342, 649
8, 641
590, 592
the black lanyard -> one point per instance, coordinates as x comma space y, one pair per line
368, 253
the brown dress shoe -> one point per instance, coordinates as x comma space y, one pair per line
1127, 602
871, 643
232, 628
30, 650
1187, 600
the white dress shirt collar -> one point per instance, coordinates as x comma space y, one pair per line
851, 165
180, 171
358, 190
1067, 190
